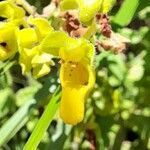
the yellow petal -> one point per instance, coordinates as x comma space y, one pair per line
72, 105
20, 23
26, 56
77, 80
42, 58
27, 38
41, 70
88, 9
79, 50
42, 26
11, 11
41, 64
8, 41
107, 5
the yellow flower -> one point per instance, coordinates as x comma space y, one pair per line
10, 11
32, 58
77, 78
8, 41
76, 73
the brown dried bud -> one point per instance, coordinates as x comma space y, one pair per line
117, 43
72, 24
105, 27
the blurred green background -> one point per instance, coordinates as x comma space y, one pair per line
117, 111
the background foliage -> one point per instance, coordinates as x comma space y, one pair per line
117, 111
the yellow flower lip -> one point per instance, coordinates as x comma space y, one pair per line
76, 74
77, 79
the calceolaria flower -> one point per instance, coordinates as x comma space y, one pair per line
8, 41
10, 11
77, 78
37, 44
10, 15
31, 57
76, 73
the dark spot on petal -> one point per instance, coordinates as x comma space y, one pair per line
3, 44
86, 83
19, 5
32, 26
21, 27
2, 18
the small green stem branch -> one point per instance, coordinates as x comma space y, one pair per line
43, 122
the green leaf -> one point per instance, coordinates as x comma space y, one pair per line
105, 124
26, 94
62, 131
6, 101
126, 12
5, 66
43, 122
15, 123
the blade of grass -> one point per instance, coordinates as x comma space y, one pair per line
15, 123
43, 122
126, 12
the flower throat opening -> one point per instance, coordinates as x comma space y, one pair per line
75, 74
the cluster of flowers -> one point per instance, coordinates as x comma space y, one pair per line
37, 43
24, 35
87, 8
